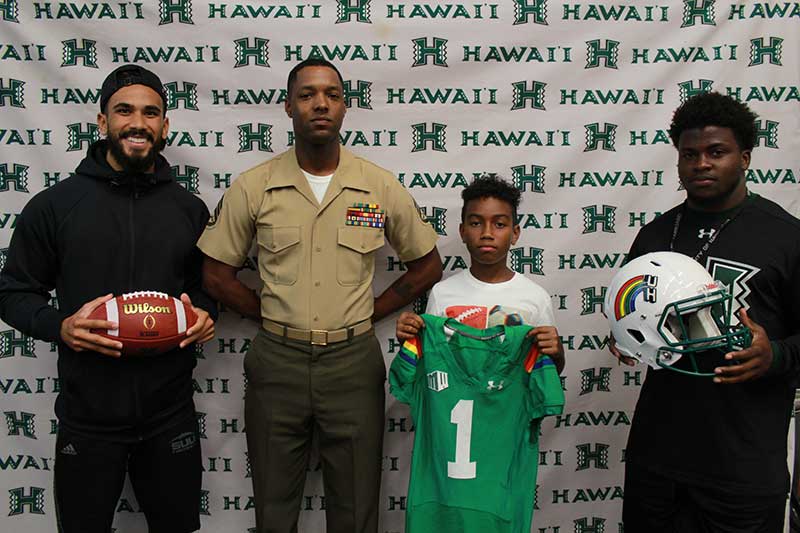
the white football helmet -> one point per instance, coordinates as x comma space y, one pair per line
664, 305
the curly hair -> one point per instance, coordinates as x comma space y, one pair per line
715, 109
491, 186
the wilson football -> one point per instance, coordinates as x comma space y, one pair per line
149, 322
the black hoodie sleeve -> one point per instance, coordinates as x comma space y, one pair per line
194, 287
29, 274
194, 267
786, 351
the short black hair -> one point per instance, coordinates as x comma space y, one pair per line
715, 109
310, 62
491, 186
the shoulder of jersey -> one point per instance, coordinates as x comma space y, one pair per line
770, 208
666, 219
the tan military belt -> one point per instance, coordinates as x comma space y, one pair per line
317, 337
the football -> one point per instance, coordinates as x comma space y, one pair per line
149, 323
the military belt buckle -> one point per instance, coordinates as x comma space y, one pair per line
319, 337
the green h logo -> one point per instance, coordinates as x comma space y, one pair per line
687, 89
592, 380
437, 218
9, 10
204, 506
76, 137
10, 343
167, 9
19, 501
263, 137
13, 94
608, 53
533, 260
87, 53
424, 51
524, 10
189, 179
421, 137
524, 93
20, 426
587, 457
347, 9
4, 256
187, 95
590, 300
735, 276
594, 136
362, 95
773, 50
201, 424
582, 525
258, 52
768, 133
521, 178
694, 9
18, 177
420, 304
593, 218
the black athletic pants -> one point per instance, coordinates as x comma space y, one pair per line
165, 473
656, 504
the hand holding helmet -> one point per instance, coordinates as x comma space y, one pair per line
750, 363
663, 306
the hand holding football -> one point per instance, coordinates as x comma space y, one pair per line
149, 322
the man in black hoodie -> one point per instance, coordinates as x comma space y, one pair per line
119, 225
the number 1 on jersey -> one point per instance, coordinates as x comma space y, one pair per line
461, 416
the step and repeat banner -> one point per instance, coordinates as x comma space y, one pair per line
570, 101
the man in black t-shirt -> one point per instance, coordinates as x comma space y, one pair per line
709, 454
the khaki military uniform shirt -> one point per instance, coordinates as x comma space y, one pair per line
316, 260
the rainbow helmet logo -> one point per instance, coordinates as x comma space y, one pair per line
625, 302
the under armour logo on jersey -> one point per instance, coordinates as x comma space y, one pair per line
437, 381
705, 233
69, 449
490, 385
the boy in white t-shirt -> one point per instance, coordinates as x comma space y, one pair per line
490, 293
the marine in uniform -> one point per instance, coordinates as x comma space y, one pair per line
318, 214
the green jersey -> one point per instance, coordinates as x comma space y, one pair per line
473, 394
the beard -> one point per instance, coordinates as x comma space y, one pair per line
135, 164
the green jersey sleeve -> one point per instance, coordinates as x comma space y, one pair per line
545, 392
405, 369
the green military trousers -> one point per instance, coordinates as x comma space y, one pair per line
295, 389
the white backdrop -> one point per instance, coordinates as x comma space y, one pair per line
570, 100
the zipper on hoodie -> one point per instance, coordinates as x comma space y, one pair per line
131, 223
132, 256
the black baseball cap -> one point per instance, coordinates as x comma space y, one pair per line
130, 75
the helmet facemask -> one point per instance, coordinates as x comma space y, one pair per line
699, 324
